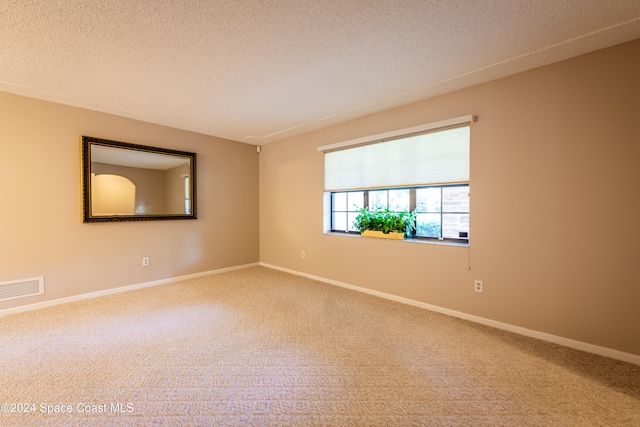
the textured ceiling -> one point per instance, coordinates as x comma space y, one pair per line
262, 70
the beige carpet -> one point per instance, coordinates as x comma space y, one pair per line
258, 347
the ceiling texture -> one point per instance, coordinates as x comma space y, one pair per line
259, 71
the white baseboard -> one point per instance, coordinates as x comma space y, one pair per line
58, 301
578, 345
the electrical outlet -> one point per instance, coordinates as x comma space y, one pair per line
145, 262
303, 254
478, 286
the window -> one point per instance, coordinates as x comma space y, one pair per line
423, 169
343, 209
442, 212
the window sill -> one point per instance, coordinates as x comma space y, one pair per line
419, 241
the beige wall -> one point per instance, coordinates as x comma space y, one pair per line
554, 204
41, 229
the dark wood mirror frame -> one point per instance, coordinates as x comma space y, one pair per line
136, 182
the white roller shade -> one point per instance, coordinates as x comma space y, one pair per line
438, 157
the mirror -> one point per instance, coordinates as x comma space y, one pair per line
131, 182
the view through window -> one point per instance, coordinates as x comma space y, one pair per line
442, 212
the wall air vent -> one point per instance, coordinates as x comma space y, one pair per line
21, 288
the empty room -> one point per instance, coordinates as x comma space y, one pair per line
319, 213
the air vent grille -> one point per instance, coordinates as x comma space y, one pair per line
21, 288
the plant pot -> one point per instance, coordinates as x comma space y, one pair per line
381, 235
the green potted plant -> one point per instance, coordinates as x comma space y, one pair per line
385, 223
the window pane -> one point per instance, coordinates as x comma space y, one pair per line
339, 221
378, 199
455, 199
453, 224
339, 201
356, 200
428, 225
399, 200
428, 199
351, 218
